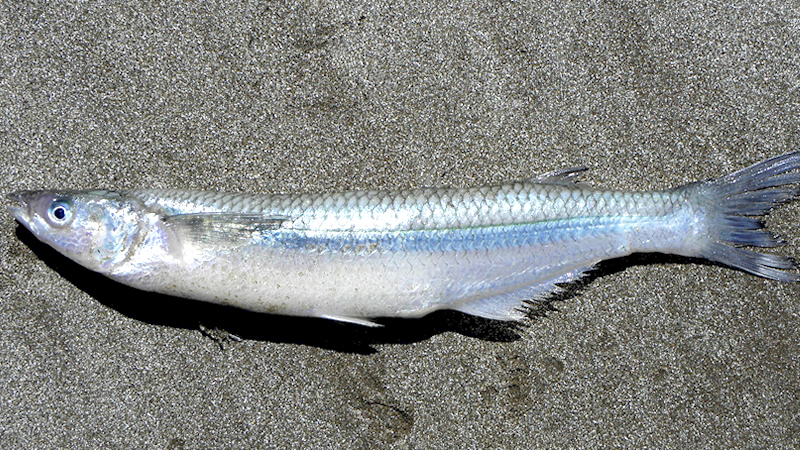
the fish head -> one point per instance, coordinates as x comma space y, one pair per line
93, 228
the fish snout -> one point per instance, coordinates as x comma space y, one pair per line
20, 211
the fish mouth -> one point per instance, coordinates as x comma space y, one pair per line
21, 210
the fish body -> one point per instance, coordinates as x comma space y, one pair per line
358, 255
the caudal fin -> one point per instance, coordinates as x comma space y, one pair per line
735, 207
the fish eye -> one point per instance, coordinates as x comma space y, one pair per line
59, 212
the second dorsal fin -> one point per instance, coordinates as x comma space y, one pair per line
567, 176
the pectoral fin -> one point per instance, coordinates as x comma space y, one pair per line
223, 227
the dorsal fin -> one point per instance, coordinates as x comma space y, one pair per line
567, 176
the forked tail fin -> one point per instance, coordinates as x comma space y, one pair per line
735, 205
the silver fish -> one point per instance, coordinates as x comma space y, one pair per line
358, 255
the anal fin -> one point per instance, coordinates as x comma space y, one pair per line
510, 305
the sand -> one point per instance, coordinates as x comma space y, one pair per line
320, 96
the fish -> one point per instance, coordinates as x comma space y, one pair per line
488, 251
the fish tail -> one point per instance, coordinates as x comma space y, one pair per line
734, 207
